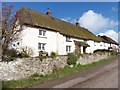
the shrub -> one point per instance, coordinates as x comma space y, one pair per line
113, 53
9, 54
53, 54
43, 53
42, 57
72, 58
23, 54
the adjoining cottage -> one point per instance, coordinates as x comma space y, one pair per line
109, 43
42, 32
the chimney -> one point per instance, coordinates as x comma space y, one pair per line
48, 12
77, 22
98, 35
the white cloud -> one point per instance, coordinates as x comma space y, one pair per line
112, 34
96, 22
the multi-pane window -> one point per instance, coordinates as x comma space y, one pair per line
68, 39
41, 46
68, 48
42, 33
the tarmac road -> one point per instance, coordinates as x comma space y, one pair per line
107, 79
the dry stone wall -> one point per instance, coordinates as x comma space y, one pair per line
24, 67
87, 59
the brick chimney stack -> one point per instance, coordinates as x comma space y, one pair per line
77, 22
48, 12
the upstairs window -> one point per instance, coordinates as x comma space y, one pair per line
68, 39
41, 46
42, 33
68, 48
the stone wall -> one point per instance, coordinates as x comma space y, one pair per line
24, 67
87, 59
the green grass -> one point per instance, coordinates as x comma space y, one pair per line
34, 79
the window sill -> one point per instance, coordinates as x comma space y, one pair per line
68, 41
42, 37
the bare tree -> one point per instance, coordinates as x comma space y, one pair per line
9, 25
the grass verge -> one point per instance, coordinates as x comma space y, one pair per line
34, 79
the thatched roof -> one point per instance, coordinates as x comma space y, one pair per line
35, 18
108, 40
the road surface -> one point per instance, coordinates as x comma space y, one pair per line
100, 76
107, 79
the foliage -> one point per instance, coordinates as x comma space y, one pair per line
42, 57
23, 54
9, 54
72, 58
43, 53
8, 21
53, 54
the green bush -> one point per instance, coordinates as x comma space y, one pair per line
72, 58
42, 57
9, 54
113, 53
23, 54
53, 54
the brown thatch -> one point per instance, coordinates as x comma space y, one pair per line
38, 19
108, 40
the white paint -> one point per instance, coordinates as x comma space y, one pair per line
54, 42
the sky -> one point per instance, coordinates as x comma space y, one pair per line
98, 17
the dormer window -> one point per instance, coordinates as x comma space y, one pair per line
42, 33
68, 39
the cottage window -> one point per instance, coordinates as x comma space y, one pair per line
68, 48
68, 39
41, 46
42, 33
94, 44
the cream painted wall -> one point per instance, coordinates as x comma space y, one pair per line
55, 42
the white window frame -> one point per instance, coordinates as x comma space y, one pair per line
42, 33
42, 46
68, 48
